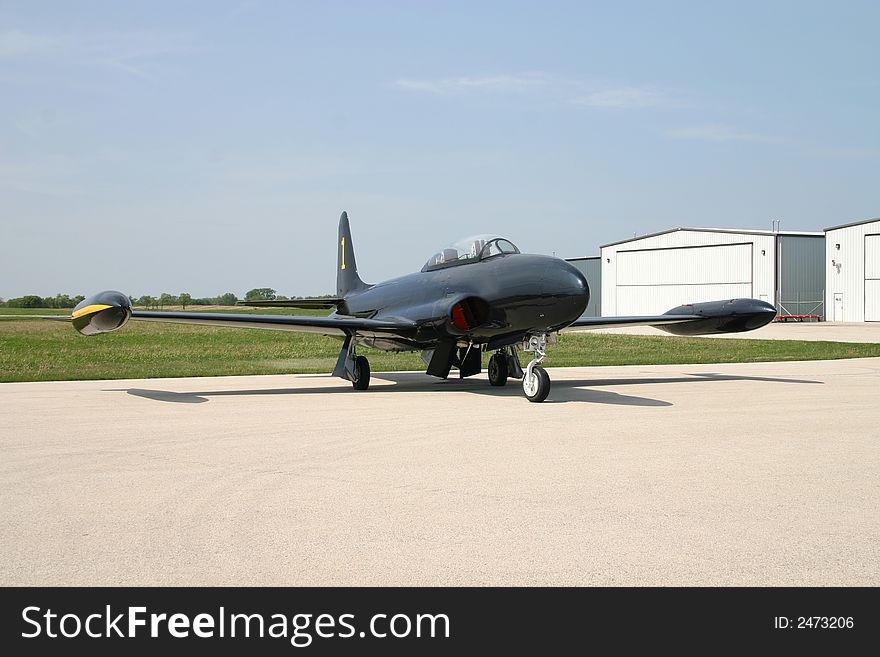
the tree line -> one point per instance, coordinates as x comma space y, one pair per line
148, 301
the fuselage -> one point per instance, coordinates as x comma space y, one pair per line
494, 301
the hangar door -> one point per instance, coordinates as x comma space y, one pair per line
651, 281
872, 278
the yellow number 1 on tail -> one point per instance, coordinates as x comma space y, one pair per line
343, 253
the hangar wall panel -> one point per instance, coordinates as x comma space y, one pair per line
872, 257
593, 271
656, 300
704, 265
872, 300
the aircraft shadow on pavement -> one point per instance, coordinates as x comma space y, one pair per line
564, 390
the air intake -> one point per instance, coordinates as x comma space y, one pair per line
469, 313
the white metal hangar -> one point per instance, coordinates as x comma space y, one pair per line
652, 273
853, 271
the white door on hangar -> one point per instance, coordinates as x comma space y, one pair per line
651, 281
872, 278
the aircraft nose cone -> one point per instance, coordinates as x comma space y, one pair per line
565, 281
568, 279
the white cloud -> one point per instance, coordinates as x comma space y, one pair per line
719, 133
625, 98
463, 84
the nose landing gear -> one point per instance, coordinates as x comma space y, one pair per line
536, 381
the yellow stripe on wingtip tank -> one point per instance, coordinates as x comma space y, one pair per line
88, 310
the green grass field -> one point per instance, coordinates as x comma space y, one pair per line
31, 311
32, 349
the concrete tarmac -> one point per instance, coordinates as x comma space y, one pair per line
744, 474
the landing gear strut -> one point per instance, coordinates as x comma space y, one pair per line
536, 381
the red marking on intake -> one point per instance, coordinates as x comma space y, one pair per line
458, 318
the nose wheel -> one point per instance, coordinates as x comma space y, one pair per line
536, 385
536, 381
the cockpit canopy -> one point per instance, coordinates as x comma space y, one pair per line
468, 250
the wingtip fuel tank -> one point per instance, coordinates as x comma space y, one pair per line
731, 316
101, 313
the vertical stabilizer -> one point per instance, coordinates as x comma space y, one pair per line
347, 279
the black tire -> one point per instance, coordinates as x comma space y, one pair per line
498, 369
538, 390
361, 373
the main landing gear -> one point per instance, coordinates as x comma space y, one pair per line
504, 364
536, 381
361, 379
352, 367
498, 369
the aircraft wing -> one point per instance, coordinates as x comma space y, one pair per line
341, 326
711, 317
57, 318
322, 303
635, 320
110, 310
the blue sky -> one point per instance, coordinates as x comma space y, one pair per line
210, 146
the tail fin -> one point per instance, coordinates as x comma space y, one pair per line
347, 279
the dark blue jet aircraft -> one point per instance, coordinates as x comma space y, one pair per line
478, 295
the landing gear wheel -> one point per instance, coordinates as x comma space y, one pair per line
361, 373
498, 369
537, 386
